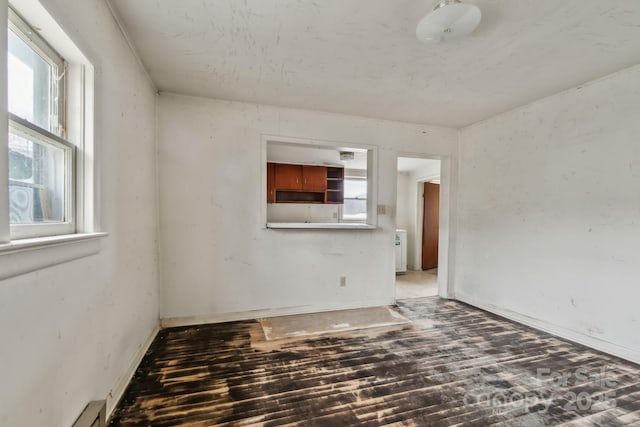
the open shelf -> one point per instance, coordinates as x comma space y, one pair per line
335, 196
335, 173
295, 183
335, 184
299, 197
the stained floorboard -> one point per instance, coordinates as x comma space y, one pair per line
453, 365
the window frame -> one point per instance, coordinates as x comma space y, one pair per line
57, 122
25, 255
22, 231
35, 41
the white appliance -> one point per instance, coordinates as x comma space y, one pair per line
401, 251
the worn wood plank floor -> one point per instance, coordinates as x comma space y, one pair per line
454, 365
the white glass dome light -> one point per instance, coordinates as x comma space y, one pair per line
449, 20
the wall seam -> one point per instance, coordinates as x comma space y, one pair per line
159, 275
455, 217
120, 24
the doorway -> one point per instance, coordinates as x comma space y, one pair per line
418, 227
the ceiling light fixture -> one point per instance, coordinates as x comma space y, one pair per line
449, 20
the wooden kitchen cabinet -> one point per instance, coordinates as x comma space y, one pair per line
290, 183
288, 177
314, 178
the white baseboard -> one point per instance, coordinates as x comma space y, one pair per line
116, 392
171, 322
559, 331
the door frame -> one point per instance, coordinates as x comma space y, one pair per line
445, 235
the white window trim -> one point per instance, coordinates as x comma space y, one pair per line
26, 255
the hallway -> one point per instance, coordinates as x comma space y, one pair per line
416, 284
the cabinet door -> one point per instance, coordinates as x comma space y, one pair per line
288, 177
271, 183
314, 178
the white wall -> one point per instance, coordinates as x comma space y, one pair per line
404, 197
71, 333
218, 261
303, 212
407, 215
549, 214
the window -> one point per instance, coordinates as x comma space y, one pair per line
355, 199
41, 159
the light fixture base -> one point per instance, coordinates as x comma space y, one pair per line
449, 20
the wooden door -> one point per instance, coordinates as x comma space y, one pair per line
430, 225
288, 177
314, 178
271, 183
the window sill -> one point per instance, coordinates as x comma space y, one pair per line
27, 255
320, 225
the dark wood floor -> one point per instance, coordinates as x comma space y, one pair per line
455, 365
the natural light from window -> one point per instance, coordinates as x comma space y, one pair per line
355, 199
41, 159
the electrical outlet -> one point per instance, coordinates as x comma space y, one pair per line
382, 209
343, 281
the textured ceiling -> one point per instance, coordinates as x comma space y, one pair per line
361, 57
